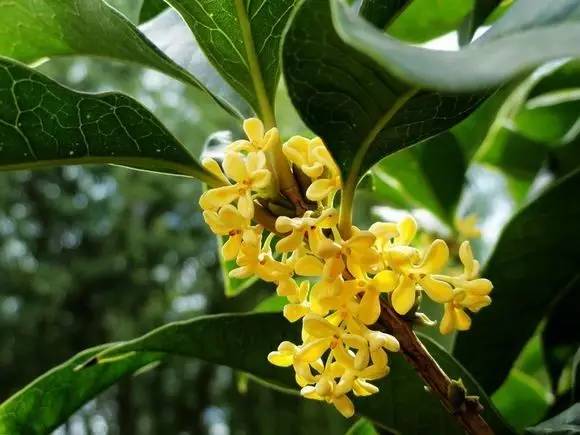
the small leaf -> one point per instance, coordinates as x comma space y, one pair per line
44, 124
480, 12
151, 8
502, 54
48, 28
424, 20
566, 423
362, 427
521, 400
361, 112
46, 403
560, 335
380, 13
173, 37
272, 304
536, 257
241, 38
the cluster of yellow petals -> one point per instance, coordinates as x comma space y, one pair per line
333, 285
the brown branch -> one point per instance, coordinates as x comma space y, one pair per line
467, 410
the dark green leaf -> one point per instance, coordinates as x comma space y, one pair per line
380, 12
566, 423
560, 336
171, 35
46, 403
150, 9
45, 124
242, 40
361, 112
480, 12
48, 28
536, 257
503, 53
362, 427
426, 19
521, 400
239, 341
429, 175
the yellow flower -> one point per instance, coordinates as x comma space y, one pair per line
255, 260
298, 306
250, 175
339, 353
340, 401
467, 227
297, 228
470, 293
303, 153
358, 251
323, 188
312, 157
371, 289
227, 222
258, 140
415, 270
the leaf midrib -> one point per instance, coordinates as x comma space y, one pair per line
353, 175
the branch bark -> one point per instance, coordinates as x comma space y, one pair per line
468, 411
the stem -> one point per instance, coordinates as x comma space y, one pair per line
345, 219
287, 184
468, 413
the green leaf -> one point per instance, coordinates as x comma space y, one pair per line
560, 335
46, 403
362, 427
48, 28
536, 257
521, 400
239, 341
503, 53
566, 423
480, 12
380, 13
430, 175
272, 304
173, 37
44, 124
361, 112
242, 40
427, 19
150, 9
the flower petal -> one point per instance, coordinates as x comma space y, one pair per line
218, 197
403, 297
369, 307
235, 167
320, 189
309, 265
254, 129
439, 291
319, 327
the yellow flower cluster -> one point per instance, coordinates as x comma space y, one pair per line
333, 284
